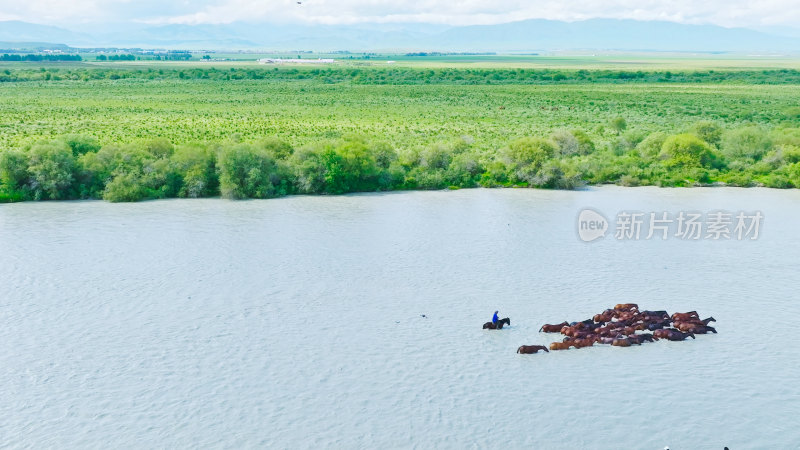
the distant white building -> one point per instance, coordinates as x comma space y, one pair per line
296, 61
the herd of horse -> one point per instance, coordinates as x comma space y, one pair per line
618, 327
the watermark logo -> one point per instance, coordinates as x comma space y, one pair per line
591, 225
683, 225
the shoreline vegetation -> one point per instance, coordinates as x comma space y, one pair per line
78, 167
398, 75
747, 140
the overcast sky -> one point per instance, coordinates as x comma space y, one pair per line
744, 13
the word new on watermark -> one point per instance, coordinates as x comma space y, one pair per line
683, 225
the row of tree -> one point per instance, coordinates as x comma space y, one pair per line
411, 75
116, 57
40, 57
78, 166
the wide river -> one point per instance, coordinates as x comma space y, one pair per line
298, 323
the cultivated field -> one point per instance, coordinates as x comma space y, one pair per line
663, 122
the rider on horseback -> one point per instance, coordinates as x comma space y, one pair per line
494, 318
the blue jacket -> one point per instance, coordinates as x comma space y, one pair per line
494, 318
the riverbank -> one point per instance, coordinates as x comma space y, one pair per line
78, 167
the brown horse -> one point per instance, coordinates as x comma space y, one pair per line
605, 316
609, 330
560, 345
705, 321
685, 316
547, 328
686, 325
498, 326
584, 342
626, 307
572, 332
530, 349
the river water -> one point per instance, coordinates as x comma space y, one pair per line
298, 323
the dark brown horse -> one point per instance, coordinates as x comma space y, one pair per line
696, 328
672, 334
655, 315
657, 325
498, 326
547, 328
624, 342
705, 321
529, 349
639, 338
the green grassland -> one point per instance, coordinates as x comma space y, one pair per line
134, 130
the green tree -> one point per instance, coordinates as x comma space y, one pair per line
248, 172
146, 167
749, 143
13, 170
278, 149
619, 125
159, 147
566, 142
650, 147
585, 144
465, 170
51, 168
126, 187
793, 172
195, 164
687, 150
81, 144
525, 158
360, 171
707, 131
309, 170
436, 156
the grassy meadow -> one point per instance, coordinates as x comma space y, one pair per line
138, 130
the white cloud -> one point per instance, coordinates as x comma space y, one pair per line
747, 13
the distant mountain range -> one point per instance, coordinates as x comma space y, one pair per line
523, 36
